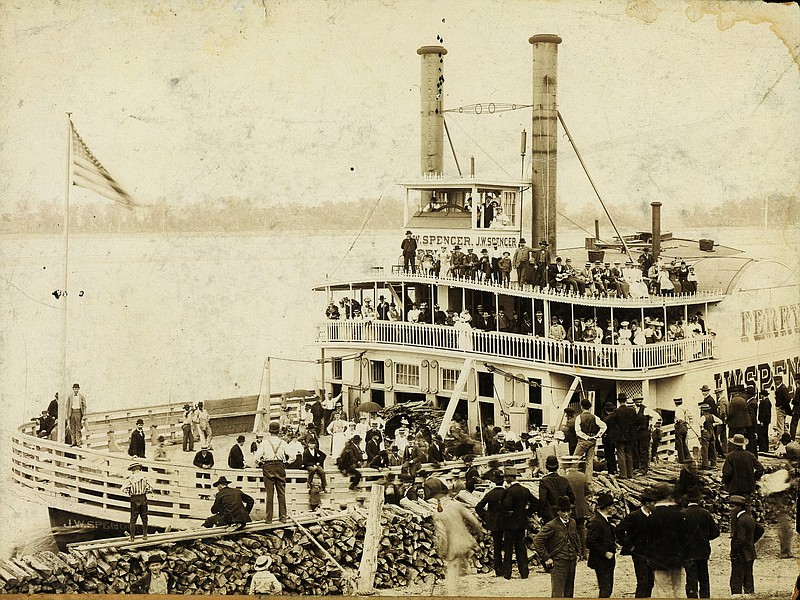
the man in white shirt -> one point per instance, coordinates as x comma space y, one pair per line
413, 314
202, 419
401, 441
589, 429
271, 456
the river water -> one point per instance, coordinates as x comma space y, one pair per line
179, 318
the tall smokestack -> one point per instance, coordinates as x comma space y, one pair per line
544, 136
432, 117
656, 226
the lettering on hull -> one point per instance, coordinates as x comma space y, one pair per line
760, 376
772, 321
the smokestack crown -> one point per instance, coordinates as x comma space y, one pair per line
435, 50
543, 37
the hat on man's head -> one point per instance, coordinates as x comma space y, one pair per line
139, 421
737, 500
75, 385
694, 495
705, 388
678, 401
605, 499
134, 465
510, 472
356, 438
629, 402
764, 393
661, 491
543, 243
521, 240
569, 411
263, 562
274, 427
240, 438
739, 440
187, 406
563, 503
154, 559
221, 481
622, 396
408, 232
704, 407
203, 447
551, 462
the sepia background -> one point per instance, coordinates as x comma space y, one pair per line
260, 137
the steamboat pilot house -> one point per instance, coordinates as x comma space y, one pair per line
511, 369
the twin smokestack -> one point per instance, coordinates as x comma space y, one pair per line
544, 125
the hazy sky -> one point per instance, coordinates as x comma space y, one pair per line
308, 101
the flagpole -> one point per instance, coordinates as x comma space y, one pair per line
63, 395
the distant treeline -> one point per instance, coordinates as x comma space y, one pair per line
236, 214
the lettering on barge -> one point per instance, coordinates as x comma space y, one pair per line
762, 375
506, 241
769, 322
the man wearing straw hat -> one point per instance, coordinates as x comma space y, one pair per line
741, 468
263, 581
557, 545
137, 487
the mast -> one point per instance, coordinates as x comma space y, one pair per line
64, 390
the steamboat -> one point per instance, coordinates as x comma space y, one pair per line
511, 370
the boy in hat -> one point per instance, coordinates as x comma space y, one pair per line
231, 507
745, 532
137, 487
557, 546
601, 545
519, 504
157, 581
263, 581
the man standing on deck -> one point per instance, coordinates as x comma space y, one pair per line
137, 487
203, 420
136, 446
520, 261
702, 529
490, 510
589, 429
764, 421
409, 248
621, 422
683, 420
795, 408
186, 427
519, 504
236, 455
271, 456
632, 535
783, 404
722, 430
76, 413
602, 546
745, 532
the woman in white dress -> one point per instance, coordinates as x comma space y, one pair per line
336, 429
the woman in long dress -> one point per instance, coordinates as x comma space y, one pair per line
336, 429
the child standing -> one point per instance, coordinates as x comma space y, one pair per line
138, 487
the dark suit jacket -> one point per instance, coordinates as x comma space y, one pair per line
765, 412
782, 399
702, 528
632, 534
557, 541
740, 471
738, 415
745, 532
236, 457
233, 505
310, 460
551, 487
490, 508
600, 538
622, 422
137, 445
518, 504
668, 538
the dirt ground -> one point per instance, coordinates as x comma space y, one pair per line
774, 577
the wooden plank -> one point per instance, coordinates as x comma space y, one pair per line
372, 541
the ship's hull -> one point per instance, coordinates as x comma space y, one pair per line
70, 527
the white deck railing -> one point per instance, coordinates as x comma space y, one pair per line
516, 346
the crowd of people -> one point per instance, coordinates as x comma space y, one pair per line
536, 269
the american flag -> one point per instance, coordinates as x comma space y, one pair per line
89, 173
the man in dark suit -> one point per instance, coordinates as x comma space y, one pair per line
491, 512
632, 535
557, 546
738, 416
702, 529
745, 532
314, 463
764, 421
783, 404
236, 456
518, 504
231, 506
668, 541
136, 446
409, 248
795, 407
741, 468
621, 423
551, 487
602, 546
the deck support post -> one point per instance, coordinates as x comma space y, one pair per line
461, 383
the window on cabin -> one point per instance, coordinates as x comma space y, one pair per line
449, 378
406, 375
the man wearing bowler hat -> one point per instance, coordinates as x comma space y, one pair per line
491, 512
521, 261
602, 546
136, 446
741, 468
551, 487
157, 581
745, 532
409, 248
271, 457
231, 506
558, 546
519, 504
